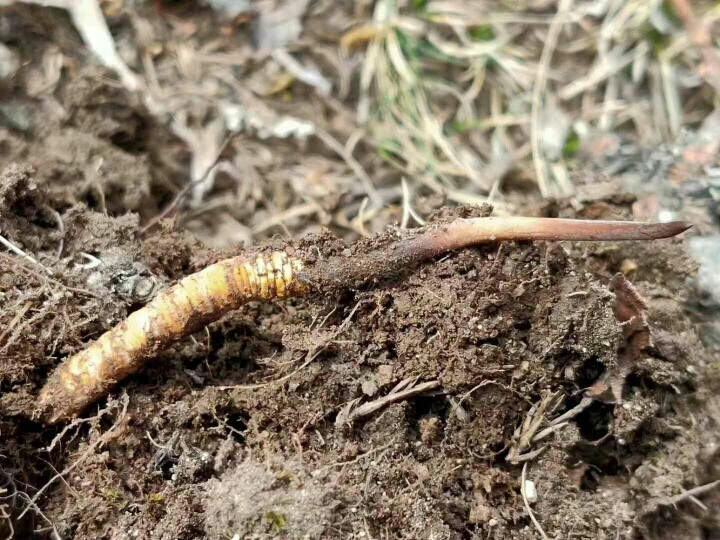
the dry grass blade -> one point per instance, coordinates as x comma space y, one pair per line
406, 389
537, 98
356, 167
404, 127
525, 434
189, 187
671, 93
701, 37
408, 210
615, 62
309, 76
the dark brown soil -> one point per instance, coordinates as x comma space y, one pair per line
245, 428
254, 428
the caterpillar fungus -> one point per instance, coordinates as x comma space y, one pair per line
207, 295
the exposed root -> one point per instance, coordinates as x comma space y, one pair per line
17, 251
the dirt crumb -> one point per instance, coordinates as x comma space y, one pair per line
88, 169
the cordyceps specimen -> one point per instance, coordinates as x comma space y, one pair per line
205, 296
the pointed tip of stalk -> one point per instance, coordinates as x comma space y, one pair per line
630, 230
669, 229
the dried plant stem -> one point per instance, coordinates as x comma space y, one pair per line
205, 296
539, 92
357, 169
701, 37
393, 397
17, 251
686, 494
89, 451
527, 504
178, 199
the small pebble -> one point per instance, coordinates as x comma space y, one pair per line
9, 62
530, 491
369, 388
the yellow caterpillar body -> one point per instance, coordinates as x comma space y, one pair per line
193, 302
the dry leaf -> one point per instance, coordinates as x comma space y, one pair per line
358, 37
630, 311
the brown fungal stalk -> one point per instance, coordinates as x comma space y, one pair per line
205, 296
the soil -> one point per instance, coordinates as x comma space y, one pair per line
253, 428
245, 429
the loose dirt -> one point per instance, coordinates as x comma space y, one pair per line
249, 428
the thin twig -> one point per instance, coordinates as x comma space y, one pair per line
527, 504
31, 505
353, 163
43, 278
6, 516
61, 229
76, 422
100, 440
375, 405
353, 461
15, 320
699, 490
291, 213
312, 355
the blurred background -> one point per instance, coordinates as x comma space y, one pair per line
286, 116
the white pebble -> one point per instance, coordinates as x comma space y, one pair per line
530, 491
